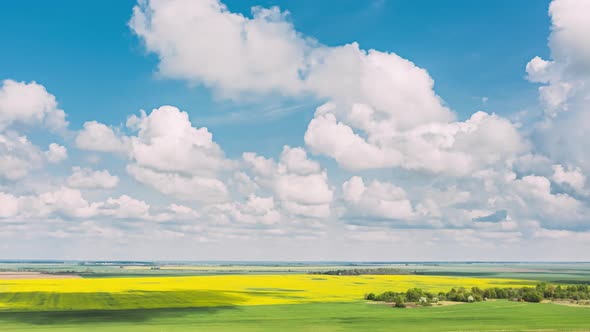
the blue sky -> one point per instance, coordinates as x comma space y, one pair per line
100, 67
86, 52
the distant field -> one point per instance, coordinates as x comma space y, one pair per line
218, 298
550, 272
317, 317
215, 291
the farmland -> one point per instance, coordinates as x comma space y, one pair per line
71, 297
319, 317
215, 291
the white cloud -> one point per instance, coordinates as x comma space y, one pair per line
205, 42
87, 178
9, 205
568, 40
29, 103
64, 202
456, 148
565, 92
382, 110
530, 198
256, 210
539, 70
166, 141
175, 158
184, 187
295, 161
572, 176
202, 41
378, 200
98, 137
384, 107
535, 192
299, 183
182, 212
243, 183
325, 135
56, 153
125, 207
18, 156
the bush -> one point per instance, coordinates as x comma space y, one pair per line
414, 294
399, 302
532, 296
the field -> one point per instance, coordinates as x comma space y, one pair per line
318, 317
215, 291
74, 297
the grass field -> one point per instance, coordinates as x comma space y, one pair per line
268, 302
319, 317
215, 291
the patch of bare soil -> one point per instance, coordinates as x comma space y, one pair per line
573, 303
411, 305
447, 303
34, 275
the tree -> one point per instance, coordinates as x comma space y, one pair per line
399, 302
490, 293
414, 294
532, 296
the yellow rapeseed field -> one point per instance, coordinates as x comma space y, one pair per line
216, 290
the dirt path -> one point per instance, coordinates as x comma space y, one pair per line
34, 275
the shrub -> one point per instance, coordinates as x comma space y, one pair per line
399, 302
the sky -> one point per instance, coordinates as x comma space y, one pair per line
291, 130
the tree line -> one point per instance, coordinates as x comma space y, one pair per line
358, 272
527, 294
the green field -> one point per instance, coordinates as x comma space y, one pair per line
277, 298
358, 316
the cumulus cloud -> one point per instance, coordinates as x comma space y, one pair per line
298, 182
167, 141
382, 112
477, 179
175, 158
24, 106
9, 205
568, 34
63, 202
56, 153
565, 91
573, 177
378, 200
383, 106
255, 210
66, 203
184, 187
456, 148
18, 156
29, 103
201, 40
552, 210
86, 178
125, 207
99, 137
